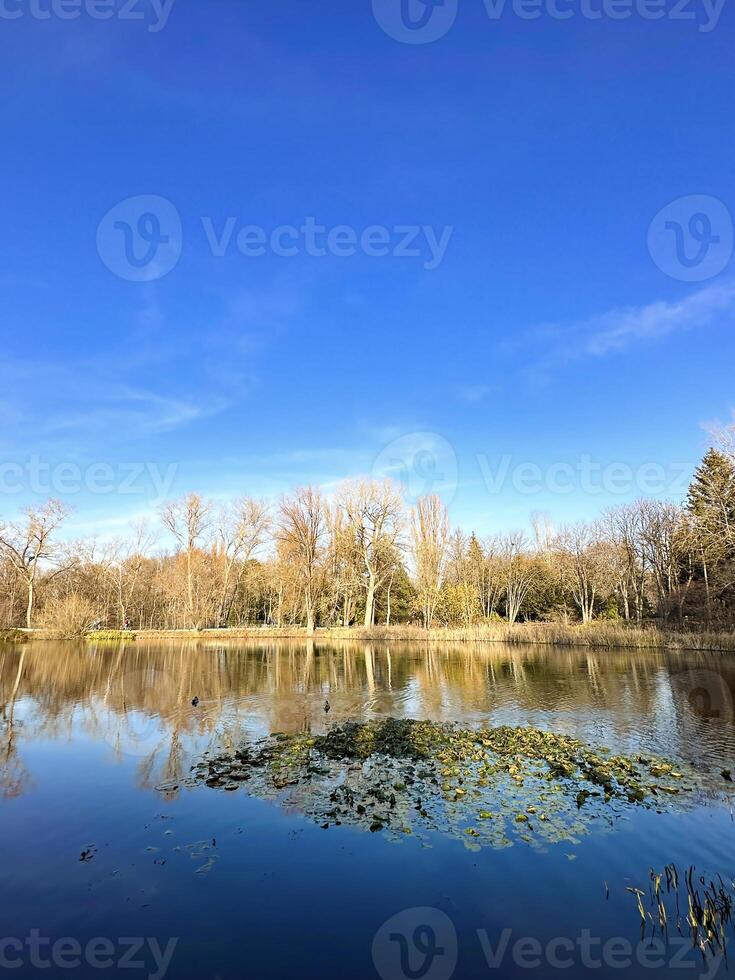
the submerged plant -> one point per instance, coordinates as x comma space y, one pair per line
705, 908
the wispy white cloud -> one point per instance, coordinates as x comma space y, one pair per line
620, 329
129, 412
474, 393
57, 403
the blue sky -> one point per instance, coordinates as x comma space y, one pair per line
553, 329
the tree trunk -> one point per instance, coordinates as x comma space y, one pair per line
190, 588
708, 596
29, 607
309, 614
224, 607
370, 602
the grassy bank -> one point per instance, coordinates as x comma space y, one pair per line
602, 635
12, 636
110, 635
594, 635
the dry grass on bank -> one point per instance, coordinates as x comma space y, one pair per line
595, 635
604, 635
12, 636
599, 635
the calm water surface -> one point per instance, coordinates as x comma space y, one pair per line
94, 738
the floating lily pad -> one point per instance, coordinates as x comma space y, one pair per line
400, 776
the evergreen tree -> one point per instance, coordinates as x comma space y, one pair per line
711, 498
711, 502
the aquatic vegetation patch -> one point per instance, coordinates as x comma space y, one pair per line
489, 786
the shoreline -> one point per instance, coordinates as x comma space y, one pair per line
591, 636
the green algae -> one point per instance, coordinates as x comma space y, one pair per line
488, 786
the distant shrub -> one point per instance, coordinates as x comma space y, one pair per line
610, 612
71, 615
12, 636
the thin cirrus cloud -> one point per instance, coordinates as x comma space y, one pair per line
81, 403
623, 328
620, 329
474, 393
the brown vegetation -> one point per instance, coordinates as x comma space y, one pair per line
363, 559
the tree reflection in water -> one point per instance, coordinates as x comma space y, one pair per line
135, 699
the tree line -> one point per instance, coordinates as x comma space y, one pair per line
363, 557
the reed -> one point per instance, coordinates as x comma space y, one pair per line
12, 636
110, 635
602, 635
598, 635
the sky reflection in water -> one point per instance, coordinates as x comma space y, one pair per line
90, 732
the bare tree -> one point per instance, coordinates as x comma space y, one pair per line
29, 543
242, 529
666, 543
430, 540
323, 561
589, 563
624, 529
543, 532
491, 571
518, 571
301, 529
374, 511
346, 567
125, 566
188, 520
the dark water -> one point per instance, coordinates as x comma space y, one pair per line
90, 734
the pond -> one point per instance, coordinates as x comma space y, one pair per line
116, 855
